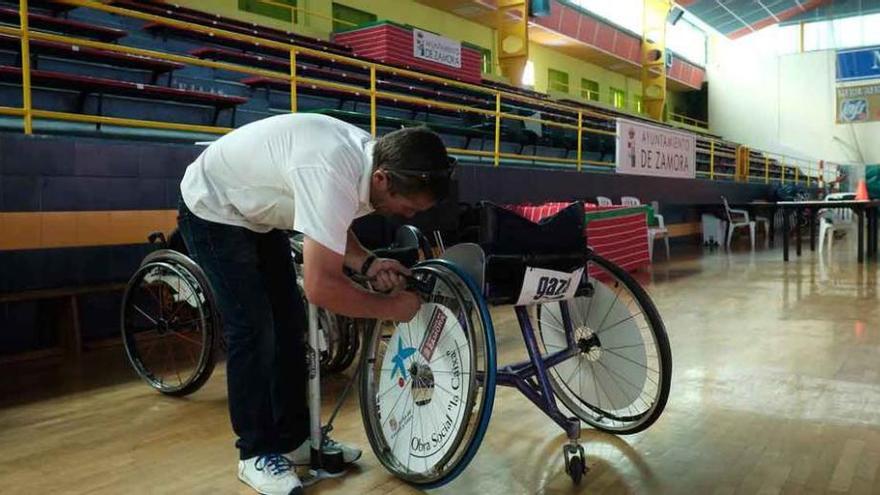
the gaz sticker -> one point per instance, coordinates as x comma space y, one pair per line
542, 286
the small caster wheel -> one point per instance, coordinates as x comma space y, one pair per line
576, 469
575, 462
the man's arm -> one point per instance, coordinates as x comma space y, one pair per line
326, 286
385, 274
355, 253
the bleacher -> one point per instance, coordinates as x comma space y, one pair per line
114, 84
211, 83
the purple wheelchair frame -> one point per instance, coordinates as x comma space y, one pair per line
530, 376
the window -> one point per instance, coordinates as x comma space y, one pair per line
687, 40
487, 60
345, 17
638, 104
618, 98
269, 10
624, 13
528, 77
848, 32
687, 37
557, 80
589, 90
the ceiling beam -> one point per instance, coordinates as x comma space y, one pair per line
768, 10
740, 19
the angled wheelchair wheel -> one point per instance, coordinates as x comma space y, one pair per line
338, 337
427, 386
618, 379
353, 328
339, 340
170, 324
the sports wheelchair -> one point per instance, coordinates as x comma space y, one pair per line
595, 342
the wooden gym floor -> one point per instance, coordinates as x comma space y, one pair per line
776, 388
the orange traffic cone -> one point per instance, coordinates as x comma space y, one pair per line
862, 191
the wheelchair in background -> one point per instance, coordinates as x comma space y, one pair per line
172, 329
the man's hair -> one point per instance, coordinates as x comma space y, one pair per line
416, 161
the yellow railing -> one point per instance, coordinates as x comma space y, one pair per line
26, 67
763, 167
494, 104
684, 119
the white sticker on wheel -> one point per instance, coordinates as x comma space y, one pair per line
543, 286
424, 384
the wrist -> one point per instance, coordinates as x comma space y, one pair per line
368, 262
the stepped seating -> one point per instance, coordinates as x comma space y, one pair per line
49, 5
513, 89
226, 25
186, 14
344, 73
269, 83
254, 54
257, 55
363, 120
63, 26
255, 47
39, 48
270, 62
104, 86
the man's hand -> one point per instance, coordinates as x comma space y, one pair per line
387, 275
326, 286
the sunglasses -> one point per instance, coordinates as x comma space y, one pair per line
428, 175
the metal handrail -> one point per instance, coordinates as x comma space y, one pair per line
557, 115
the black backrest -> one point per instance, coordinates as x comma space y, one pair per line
505, 232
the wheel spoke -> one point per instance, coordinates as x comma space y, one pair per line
190, 340
144, 314
607, 313
149, 349
397, 402
618, 323
634, 387
408, 392
630, 360
174, 363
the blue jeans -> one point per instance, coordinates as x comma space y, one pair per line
264, 322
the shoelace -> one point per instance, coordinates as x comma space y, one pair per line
276, 464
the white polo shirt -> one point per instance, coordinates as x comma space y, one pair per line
302, 172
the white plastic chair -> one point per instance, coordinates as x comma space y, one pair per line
834, 219
765, 221
738, 219
657, 232
603, 201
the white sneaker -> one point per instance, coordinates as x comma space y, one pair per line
302, 456
271, 474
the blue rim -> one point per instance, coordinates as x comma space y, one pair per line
489, 385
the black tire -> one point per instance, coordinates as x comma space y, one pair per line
354, 327
576, 469
153, 315
616, 357
337, 330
